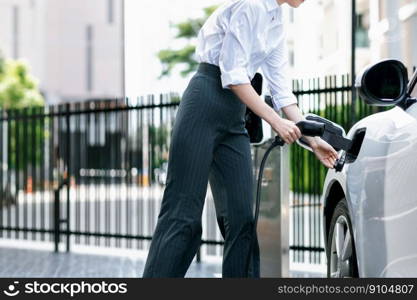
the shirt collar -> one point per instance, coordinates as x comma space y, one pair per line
271, 5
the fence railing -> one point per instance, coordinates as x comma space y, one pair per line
93, 173
89, 173
329, 97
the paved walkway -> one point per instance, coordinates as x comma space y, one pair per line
20, 262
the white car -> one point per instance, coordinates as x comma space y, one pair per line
370, 201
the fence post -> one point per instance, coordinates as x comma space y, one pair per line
353, 66
198, 256
68, 179
57, 220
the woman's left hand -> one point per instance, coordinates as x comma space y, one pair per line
325, 153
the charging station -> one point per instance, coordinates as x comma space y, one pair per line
273, 223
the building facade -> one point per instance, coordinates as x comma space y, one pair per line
320, 35
75, 48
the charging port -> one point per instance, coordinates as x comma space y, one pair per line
357, 141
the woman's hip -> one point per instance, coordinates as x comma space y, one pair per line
205, 99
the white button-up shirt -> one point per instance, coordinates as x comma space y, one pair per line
242, 36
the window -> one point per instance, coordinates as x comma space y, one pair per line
89, 58
15, 31
110, 11
292, 58
362, 38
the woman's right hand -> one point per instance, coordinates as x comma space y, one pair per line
287, 130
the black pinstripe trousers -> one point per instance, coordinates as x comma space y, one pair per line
209, 144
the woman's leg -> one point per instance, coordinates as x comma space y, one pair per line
177, 236
231, 182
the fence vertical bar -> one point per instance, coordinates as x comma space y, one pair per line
42, 170
57, 220
111, 117
24, 162
2, 191
52, 163
68, 159
9, 194
106, 136
91, 141
17, 162
353, 61
34, 163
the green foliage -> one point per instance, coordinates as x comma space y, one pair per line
26, 138
159, 141
171, 58
2, 65
20, 96
187, 30
18, 88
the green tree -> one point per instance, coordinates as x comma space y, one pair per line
2, 64
187, 30
18, 88
19, 94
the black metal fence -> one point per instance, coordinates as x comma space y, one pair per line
329, 97
88, 173
93, 172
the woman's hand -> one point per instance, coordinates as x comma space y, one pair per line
325, 153
286, 129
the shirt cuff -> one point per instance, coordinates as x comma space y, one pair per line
234, 77
280, 102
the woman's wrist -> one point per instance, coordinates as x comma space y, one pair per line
312, 141
273, 118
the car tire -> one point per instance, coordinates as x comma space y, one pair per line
340, 247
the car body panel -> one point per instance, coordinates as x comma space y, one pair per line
381, 196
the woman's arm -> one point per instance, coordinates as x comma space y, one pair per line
286, 129
293, 113
323, 151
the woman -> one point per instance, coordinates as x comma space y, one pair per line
210, 142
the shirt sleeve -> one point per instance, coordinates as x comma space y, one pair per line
275, 70
237, 44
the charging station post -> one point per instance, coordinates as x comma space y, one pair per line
273, 223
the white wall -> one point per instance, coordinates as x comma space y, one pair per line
65, 49
52, 38
148, 31
30, 33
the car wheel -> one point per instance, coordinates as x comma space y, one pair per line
341, 254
